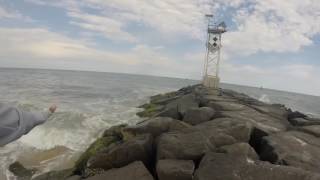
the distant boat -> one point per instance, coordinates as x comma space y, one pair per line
261, 88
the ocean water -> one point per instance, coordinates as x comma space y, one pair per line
88, 103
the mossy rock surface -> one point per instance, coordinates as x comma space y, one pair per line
94, 148
110, 136
115, 131
150, 110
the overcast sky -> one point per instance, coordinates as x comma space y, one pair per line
270, 43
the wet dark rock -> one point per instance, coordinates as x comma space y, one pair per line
295, 114
171, 169
196, 116
135, 170
256, 138
139, 148
20, 171
218, 166
240, 149
292, 148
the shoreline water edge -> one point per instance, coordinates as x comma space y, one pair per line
198, 133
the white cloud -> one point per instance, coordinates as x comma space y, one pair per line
36, 47
166, 16
110, 28
274, 26
268, 26
7, 14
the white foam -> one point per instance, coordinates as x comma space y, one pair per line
47, 138
264, 98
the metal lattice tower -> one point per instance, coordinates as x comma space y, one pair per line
213, 53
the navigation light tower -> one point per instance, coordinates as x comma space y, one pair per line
213, 53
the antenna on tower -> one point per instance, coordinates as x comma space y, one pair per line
213, 52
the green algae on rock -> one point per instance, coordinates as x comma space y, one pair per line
150, 110
110, 136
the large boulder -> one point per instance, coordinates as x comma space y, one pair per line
138, 148
177, 108
292, 148
192, 143
219, 166
196, 116
172, 169
240, 131
155, 126
239, 149
135, 170
177, 145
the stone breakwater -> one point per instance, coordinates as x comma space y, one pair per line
197, 133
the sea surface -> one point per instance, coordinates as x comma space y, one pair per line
90, 102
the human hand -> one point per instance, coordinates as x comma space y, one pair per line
53, 108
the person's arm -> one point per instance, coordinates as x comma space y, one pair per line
33, 119
14, 122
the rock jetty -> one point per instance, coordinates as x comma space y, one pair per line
197, 133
